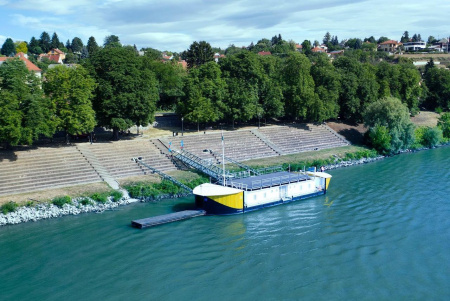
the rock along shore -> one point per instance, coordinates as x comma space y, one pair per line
47, 210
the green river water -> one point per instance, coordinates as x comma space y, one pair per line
381, 233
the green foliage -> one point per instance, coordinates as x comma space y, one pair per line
438, 84
380, 139
8, 48
21, 47
27, 114
392, 114
126, 93
198, 54
60, 201
70, 90
92, 46
77, 45
44, 42
418, 134
116, 195
8, 207
444, 124
153, 190
432, 137
100, 197
85, 201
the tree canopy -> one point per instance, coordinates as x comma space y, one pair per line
8, 48
198, 54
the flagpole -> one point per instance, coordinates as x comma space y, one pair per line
223, 159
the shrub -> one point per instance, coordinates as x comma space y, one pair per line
85, 201
432, 137
100, 197
116, 195
60, 201
444, 124
380, 139
8, 207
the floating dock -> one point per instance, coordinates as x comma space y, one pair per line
167, 218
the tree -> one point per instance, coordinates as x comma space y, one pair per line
77, 45
300, 98
70, 90
204, 92
68, 45
327, 87
152, 54
127, 92
33, 46
8, 48
306, 47
438, 83
432, 137
112, 41
198, 54
405, 38
21, 47
380, 139
25, 113
389, 112
92, 46
444, 124
431, 40
371, 39
327, 38
382, 39
44, 42
55, 43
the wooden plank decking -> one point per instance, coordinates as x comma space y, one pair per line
167, 218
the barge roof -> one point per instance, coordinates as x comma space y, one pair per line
267, 180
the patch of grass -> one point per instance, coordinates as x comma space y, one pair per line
116, 195
8, 207
100, 197
60, 201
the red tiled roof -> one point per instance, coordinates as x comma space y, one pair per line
28, 63
299, 46
264, 53
57, 51
390, 42
183, 63
318, 49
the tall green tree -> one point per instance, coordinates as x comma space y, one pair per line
112, 41
205, 91
392, 114
306, 47
198, 54
327, 86
438, 84
127, 92
55, 43
21, 46
92, 46
33, 46
8, 48
77, 45
45, 42
28, 114
71, 91
301, 101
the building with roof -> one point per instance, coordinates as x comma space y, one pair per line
264, 53
389, 46
414, 46
23, 57
54, 55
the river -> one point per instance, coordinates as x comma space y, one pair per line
381, 233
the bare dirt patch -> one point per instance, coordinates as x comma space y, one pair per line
352, 132
425, 118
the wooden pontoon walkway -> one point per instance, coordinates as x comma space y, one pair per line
167, 218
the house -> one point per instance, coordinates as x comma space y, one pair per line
54, 55
319, 49
299, 47
389, 46
414, 46
264, 53
336, 53
218, 56
30, 66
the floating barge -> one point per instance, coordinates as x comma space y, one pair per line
256, 192
167, 218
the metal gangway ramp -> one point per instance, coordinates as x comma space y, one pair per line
242, 165
138, 160
204, 166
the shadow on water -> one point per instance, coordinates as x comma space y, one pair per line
184, 206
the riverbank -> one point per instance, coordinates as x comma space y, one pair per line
47, 210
